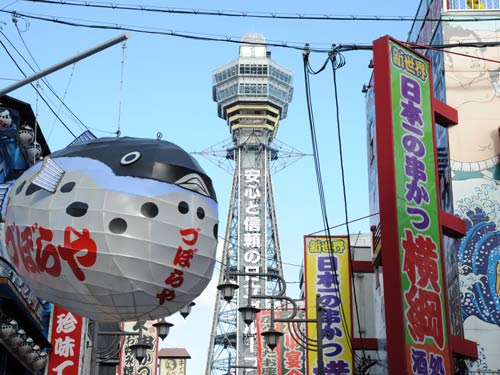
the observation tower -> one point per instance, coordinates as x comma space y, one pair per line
252, 95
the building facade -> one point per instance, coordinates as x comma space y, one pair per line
465, 73
467, 78
24, 318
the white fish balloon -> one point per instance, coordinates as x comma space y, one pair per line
114, 229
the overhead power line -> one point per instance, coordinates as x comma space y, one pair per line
246, 14
186, 35
300, 46
36, 89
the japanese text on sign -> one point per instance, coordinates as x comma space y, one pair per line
182, 260
332, 329
409, 63
33, 248
424, 313
66, 342
252, 221
327, 275
418, 233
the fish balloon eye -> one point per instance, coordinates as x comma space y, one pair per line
130, 158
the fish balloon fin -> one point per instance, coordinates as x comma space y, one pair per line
193, 182
4, 197
49, 176
86, 136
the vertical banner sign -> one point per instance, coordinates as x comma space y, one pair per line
288, 357
268, 361
128, 363
415, 299
66, 341
172, 366
327, 274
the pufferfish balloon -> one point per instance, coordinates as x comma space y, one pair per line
114, 229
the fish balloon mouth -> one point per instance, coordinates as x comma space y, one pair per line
193, 182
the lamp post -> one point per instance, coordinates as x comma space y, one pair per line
272, 336
230, 366
139, 349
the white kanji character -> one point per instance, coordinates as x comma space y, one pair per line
252, 223
252, 175
64, 347
252, 209
252, 192
251, 240
59, 369
66, 323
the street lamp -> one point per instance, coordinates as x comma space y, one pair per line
186, 310
272, 336
162, 328
227, 290
139, 349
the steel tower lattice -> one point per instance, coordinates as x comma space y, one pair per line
252, 95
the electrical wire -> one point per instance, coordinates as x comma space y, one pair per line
247, 14
36, 89
307, 71
118, 131
442, 48
44, 80
343, 223
80, 123
338, 61
186, 35
220, 38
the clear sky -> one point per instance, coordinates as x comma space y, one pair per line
167, 88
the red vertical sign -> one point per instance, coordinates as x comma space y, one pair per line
417, 323
288, 358
66, 339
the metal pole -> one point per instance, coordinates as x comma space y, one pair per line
94, 364
319, 337
64, 63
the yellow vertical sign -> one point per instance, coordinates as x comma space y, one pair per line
327, 275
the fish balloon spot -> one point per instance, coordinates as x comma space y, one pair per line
32, 189
66, 188
20, 187
200, 212
118, 225
77, 209
183, 207
216, 231
149, 209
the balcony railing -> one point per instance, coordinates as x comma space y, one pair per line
473, 5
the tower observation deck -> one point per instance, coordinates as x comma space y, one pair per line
252, 95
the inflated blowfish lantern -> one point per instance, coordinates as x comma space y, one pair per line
114, 229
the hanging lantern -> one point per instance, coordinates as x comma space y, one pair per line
33, 152
26, 136
5, 118
8, 328
114, 229
18, 338
25, 346
40, 361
